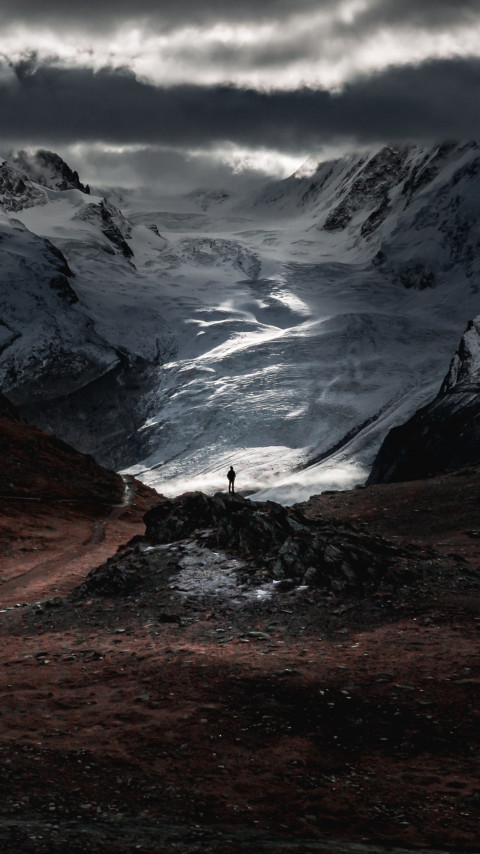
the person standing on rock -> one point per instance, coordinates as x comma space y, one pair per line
231, 480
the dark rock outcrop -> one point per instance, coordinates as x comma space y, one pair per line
443, 435
23, 179
371, 187
332, 557
112, 223
16, 191
246, 526
440, 437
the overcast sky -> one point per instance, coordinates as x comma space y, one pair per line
183, 91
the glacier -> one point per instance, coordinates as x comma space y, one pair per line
284, 331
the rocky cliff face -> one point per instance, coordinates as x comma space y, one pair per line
410, 210
445, 434
16, 192
465, 365
26, 178
50, 170
111, 223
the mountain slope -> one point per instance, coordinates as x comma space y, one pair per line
38, 465
60, 512
56, 363
444, 434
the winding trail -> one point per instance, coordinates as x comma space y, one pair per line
75, 543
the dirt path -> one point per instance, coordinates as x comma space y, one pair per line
58, 543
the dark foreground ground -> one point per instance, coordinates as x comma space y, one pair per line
298, 722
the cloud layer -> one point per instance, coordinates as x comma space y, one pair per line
179, 80
167, 14
55, 105
272, 44
172, 14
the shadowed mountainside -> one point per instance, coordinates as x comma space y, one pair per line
38, 465
444, 435
60, 512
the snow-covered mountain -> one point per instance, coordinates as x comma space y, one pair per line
55, 361
445, 434
284, 332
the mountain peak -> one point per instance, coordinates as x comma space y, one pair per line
49, 170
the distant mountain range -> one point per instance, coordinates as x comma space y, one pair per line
285, 331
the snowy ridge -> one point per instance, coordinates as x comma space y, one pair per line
40, 328
49, 170
285, 332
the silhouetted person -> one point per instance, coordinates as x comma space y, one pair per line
231, 479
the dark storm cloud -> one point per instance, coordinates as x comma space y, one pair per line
426, 14
90, 15
173, 170
169, 14
62, 105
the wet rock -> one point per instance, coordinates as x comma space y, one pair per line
296, 550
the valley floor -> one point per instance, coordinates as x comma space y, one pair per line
299, 723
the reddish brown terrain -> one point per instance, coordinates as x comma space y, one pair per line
150, 719
60, 513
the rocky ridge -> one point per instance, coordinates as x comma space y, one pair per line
111, 223
25, 180
49, 170
16, 192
